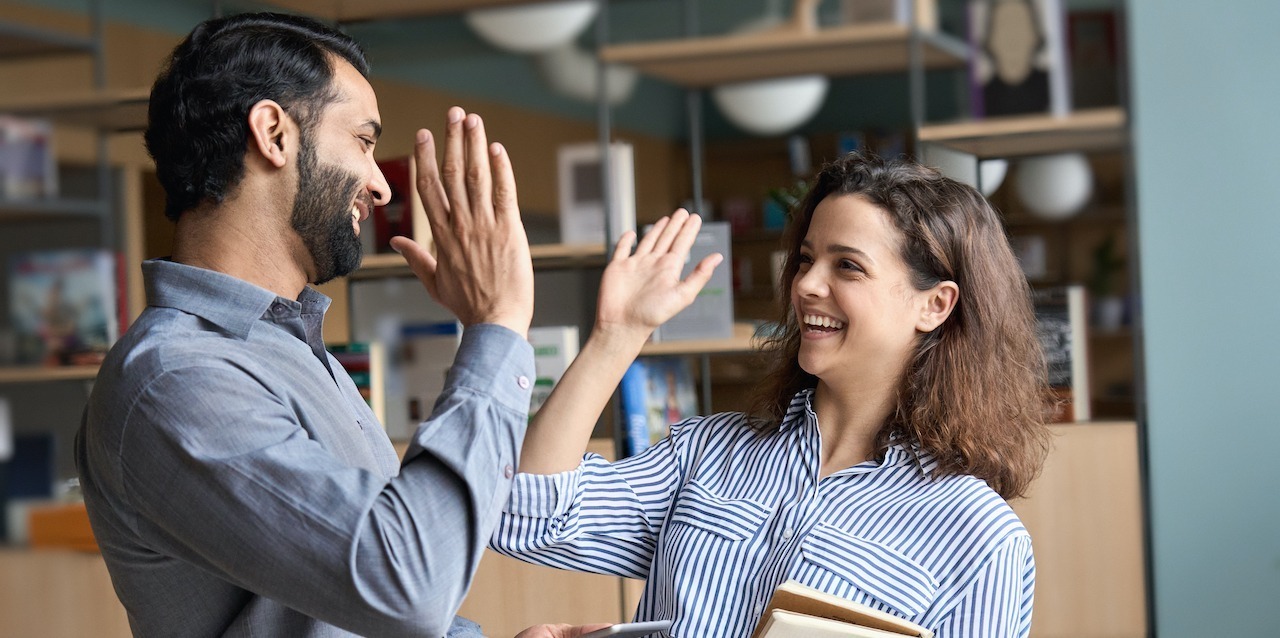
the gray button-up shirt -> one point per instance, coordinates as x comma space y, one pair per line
239, 485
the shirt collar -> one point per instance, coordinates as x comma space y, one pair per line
232, 304
799, 412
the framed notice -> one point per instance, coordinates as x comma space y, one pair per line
1019, 62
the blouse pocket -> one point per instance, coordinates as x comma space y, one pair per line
878, 571
733, 519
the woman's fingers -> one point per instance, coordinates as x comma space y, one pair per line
651, 237
622, 249
686, 235
670, 231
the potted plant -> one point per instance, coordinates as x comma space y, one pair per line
1107, 304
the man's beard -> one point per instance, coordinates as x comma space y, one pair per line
322, 214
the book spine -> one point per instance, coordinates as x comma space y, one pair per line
396, 217
1081, 399
632, 393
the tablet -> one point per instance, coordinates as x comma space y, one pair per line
631, 629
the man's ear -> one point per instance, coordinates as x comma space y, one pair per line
939, 301
271, 132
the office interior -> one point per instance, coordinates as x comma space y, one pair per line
1156, 515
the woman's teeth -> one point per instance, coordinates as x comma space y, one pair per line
817, 321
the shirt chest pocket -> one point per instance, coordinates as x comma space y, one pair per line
701, 510
865, 571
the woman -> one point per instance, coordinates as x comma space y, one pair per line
907, 398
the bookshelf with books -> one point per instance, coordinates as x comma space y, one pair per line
730, 173
87, 207
1061, 180
74, 201
735, 168
65, 187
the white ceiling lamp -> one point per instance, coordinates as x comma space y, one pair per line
991, 173
985, 175
770, 107
572, 72
533, 28
1054, 187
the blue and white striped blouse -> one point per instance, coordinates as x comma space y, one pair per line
717, 515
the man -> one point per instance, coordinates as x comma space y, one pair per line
235, 480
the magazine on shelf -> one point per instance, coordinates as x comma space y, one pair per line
426, 353
64, 305
554, 348
1019, 59
28, 169
800, 611
656, 392
581, 192
710, 316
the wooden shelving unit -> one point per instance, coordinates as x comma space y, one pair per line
1085, 131
21, 41
545, 256
741, 341
35, 374
18, 210
836, 51
357, 10
105, 111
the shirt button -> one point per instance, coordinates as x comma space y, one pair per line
523, 382
788, 533
278, 309
508, 471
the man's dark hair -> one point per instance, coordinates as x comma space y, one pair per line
198, 116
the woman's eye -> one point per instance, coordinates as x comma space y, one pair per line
845, 264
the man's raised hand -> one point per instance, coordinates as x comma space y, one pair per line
481, 271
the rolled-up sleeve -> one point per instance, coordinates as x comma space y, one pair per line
601, 517
214, 460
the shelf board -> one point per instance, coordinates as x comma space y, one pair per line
25, 210
1013, 136
38, 374
21, 41
545, 256
111, 109
357, 10
1097, 215
836, 51
741, 341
